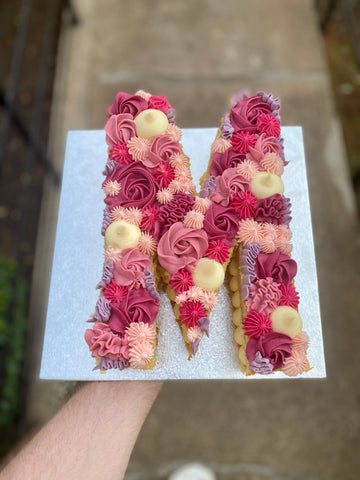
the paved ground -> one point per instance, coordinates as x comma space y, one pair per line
197, 53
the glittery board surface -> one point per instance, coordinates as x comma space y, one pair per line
78, 261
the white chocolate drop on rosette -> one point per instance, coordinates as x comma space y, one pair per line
265, 184
150, 123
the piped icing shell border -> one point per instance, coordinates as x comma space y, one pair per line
145, 171
244, 177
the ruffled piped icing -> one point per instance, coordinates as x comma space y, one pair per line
261, 271
142, 175
239, 221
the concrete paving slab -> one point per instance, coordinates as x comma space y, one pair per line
198, 53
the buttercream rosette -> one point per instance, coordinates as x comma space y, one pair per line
156, 227
139, 171
248, 152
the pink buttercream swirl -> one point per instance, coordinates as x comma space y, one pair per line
119, 129
280, 267
138, 306
227, 186
159, 103
221, 161
181, 247
274, 346
126, 103
161, 149
129, 270
263, 146
221, 223
244, 114
264, 296
103, 342
138, 187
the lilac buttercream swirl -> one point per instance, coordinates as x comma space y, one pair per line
194, 346
107, 363
150, 284
204, 323
248, 258
171, 115
109, 167
102, 310
106, 220
107, 275
240, 96
272, 101
226, 128
209, 187
261, 365
287, 212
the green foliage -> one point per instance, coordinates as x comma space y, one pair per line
12, 341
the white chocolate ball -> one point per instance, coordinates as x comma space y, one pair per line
265, 184
286, 320
208, 274
122, 234
150, 123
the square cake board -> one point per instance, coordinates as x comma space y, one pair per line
78, 262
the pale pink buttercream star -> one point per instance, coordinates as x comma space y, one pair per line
194, 219
164, 196
209, 299
144, 95
118, 213
133, 215
138, 148
220, 145
147, 244
111, 188
202, 205
113, 254
174, 133
248, 169
249, 231
193, 334
273, 163
177, 159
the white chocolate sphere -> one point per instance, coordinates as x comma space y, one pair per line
265, 184
122, 234
286, 320
150, 123
208, 274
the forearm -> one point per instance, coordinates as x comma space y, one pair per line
91, 437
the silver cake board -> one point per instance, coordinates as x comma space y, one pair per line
78, 261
